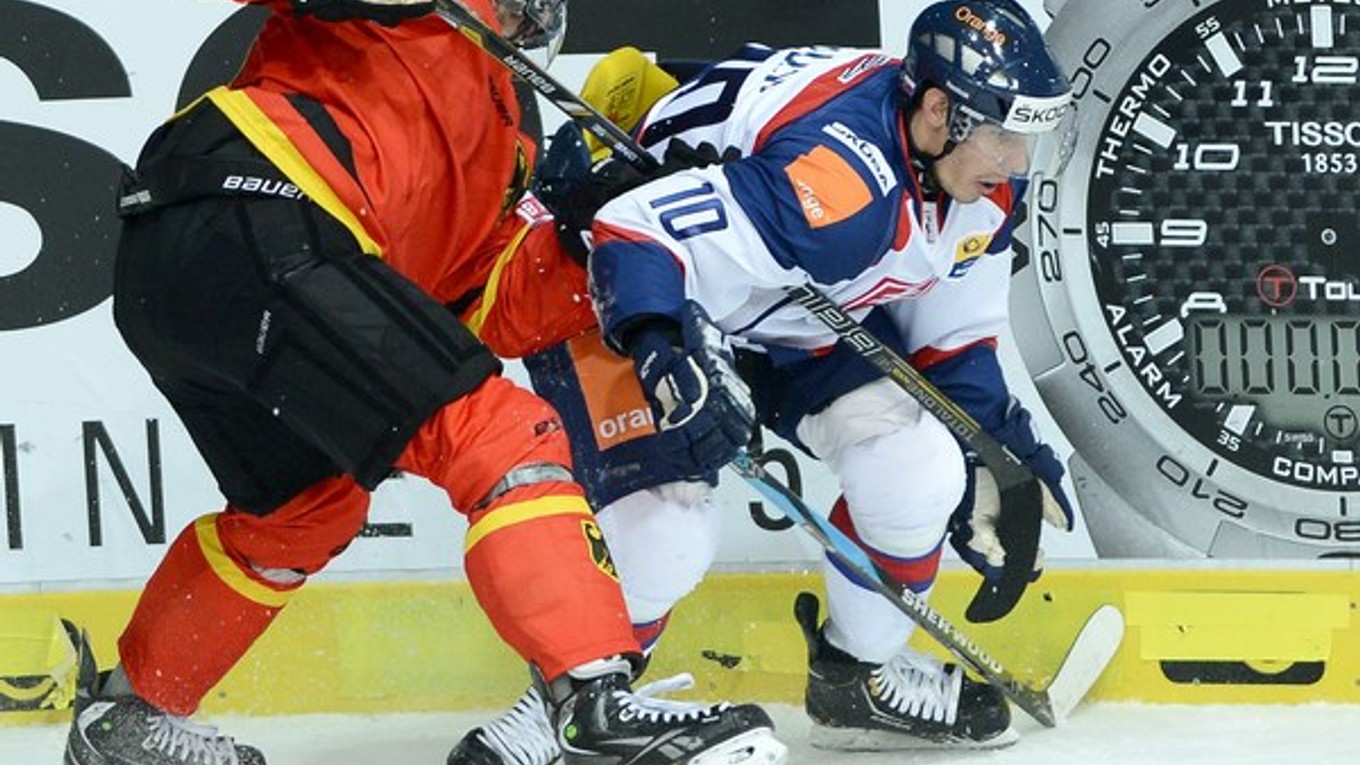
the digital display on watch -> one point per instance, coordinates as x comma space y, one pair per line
1289, 366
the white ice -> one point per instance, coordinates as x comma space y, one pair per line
1096, 734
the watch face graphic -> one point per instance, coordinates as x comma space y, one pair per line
1199, 265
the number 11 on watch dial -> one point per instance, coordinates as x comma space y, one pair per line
1194, 276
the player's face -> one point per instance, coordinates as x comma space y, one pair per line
988, 158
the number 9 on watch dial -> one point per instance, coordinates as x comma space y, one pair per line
1188, 292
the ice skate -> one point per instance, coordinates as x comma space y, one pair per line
912, 701
521, 736
600, 721
123, 729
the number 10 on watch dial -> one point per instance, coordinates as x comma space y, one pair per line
1189, 296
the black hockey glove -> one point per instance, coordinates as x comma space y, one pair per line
688, 378
574, 204
386, 12
972, 527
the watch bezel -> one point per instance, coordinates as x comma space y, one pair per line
1173, 469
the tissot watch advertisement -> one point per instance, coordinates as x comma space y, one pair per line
1185, 301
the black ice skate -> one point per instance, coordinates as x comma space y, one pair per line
125, 730
913, 701
600, 721
521, 736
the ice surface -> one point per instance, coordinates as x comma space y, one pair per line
1097, 734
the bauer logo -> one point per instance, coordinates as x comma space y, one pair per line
269, 187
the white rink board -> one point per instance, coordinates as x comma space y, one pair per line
69, 382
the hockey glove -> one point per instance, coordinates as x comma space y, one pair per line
692, 387
574, 205
389, 13
972, 527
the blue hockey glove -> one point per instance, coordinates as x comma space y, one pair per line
1017, 433
692, 387
972, 527
386, 12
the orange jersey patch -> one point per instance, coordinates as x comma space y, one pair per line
618, 410
828, 188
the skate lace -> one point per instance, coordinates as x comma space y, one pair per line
523, 735
187, 741
919, 686
643, 704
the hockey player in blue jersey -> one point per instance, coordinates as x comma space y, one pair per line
891, 186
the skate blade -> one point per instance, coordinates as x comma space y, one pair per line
754, 747
873, 740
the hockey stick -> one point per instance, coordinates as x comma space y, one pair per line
1091, 651
580, 112
1022, 499
1021, 495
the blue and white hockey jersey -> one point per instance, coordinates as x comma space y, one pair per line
823, 194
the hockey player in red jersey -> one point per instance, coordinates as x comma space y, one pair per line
298, 250
890, 185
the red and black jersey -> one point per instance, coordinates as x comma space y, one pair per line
410, 135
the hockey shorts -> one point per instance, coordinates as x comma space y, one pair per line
615, 445
288, 354
788, 386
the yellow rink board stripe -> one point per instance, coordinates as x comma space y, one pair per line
1194, 636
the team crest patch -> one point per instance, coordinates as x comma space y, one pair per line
966, 253
599, 551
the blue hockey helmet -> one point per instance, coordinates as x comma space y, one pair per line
1002, 80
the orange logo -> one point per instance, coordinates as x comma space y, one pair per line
980, 25
618, 410
828, 188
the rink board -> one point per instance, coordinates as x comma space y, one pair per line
1194, 636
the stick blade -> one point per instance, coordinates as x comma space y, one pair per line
1092, 651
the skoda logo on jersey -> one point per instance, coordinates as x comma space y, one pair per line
867, 153
967, 252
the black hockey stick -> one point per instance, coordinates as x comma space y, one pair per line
1089, 654
1020, 522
